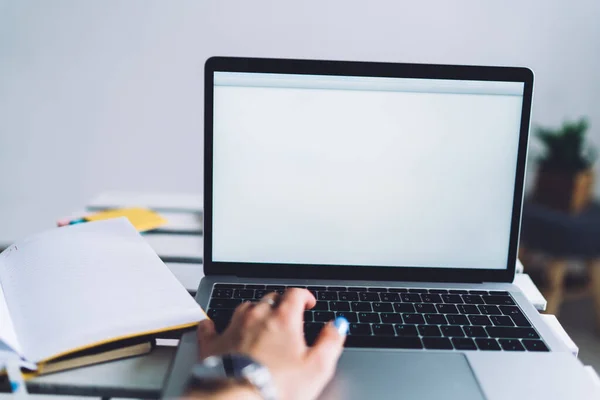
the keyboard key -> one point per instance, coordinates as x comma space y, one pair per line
511, 345
413, 319
323, 316
490, 310
452, 330
418, 291
479, 320
368, 296
260, 287
446, 308
389, 297
501, 320
457, 319
406, 330
480, 292
220, 317
243, 294
258, 294
435, 319
224, 303
315, 288
383, 329
390, 318
487, 344
429, 330
311, 331
389, 342
360, 329
431, 298
222, 293
499, 293
327, 296
438, 291
339, 306
382, 307
474, 331
452, 298
359, 306
437, 343
321, 306
336, 288
308, 316
472, 299
456, 291
288, 287
467, 309
348, 296
510, 310
228, 286
520, 320
512, 333
425, 308
498, 300
357, 289
368, 317
464, 344
534, 345
516, 314
350, 316
376, 289
404, 308
410, 297
398, 290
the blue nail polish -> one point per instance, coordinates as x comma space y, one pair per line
342, 325
14, 386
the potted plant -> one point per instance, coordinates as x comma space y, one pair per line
565, 177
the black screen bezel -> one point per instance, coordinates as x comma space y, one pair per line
374, 69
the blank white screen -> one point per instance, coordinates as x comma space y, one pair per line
363, 177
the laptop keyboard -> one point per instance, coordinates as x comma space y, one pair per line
401, 318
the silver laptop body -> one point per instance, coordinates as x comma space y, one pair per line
356, 177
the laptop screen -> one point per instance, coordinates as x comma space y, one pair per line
363, 171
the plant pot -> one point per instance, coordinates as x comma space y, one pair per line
569, 191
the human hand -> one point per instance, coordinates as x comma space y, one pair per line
273, 336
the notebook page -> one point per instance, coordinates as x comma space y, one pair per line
8, 336
82, 284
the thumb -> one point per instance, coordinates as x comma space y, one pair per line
206, 335
328, 347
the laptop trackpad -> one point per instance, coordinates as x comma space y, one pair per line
376, 374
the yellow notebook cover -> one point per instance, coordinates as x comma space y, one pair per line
142, 219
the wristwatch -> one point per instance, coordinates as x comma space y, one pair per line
234, 366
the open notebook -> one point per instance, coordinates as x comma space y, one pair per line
70, 290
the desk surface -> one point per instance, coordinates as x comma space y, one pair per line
180, 245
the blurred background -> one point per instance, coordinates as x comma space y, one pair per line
108, 95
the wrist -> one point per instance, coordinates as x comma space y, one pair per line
214, 371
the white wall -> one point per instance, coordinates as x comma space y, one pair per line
103, 95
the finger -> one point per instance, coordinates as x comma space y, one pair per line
263, 308
206, 333
326, 351
294, 302
240, 312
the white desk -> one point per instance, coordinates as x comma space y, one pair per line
180, 245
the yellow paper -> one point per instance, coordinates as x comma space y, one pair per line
142, 219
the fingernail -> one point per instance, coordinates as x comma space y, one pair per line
342, 325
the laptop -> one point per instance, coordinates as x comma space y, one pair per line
393, 193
